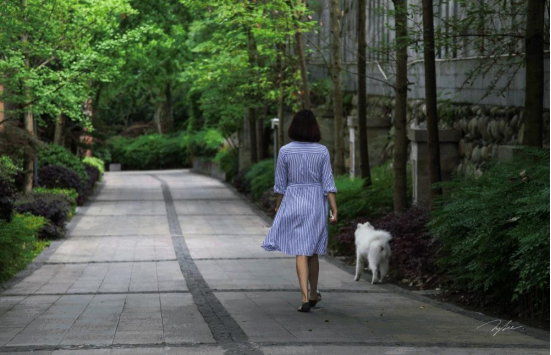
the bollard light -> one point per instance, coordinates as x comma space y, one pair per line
275, 125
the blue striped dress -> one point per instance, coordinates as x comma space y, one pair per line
304, 177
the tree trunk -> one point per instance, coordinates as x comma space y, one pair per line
281, 102
400, 108
29, 163
168, 109
259, 137
252, 110
305, 94
535, 75
362, 95
252, 131
2, 109
299, 49
430, 99
336, 79
28, 120
59, 134
157, 117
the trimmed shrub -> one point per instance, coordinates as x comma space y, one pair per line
52, 154
71, 194
204, 143
494, 232
87, 190
18, 245
95, 162
148, 152
227, 158
7, 168
7, 188
240, 183
55, 208
260, 177
56, 176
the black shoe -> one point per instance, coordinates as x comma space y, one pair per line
305, 307
314, 302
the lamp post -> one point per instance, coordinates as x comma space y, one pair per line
275, 126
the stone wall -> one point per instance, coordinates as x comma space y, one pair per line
484, 128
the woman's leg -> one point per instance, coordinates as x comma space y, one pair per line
302, 273
313, 275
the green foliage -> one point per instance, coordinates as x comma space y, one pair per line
260, 177
494, 230
148, 152
53, 49
205, 143
228, 160
18, 245
70, 193
7, 168
52, 154
354, 200
95, 162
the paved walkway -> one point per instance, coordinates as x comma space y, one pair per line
169, 262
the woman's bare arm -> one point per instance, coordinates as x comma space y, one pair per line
279, 197
333, 202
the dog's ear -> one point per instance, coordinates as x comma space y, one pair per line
359, 225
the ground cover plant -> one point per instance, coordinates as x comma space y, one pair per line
18, 243
494, 233
53, 154
260, 177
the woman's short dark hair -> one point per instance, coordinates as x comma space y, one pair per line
304, 127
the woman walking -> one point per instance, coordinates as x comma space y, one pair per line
303, 184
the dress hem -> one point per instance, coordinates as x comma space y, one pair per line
270, 248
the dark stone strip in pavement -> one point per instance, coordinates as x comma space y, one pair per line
106, 262
33, 348
525, 330
222, 325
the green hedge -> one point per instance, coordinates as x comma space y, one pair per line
95, 162
494, 231
51, 154
205, 143
148, 152
260, 177
70, 193
354, 200
228, 161
18, 244
154, 151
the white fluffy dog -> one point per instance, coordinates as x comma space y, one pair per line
372, 244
